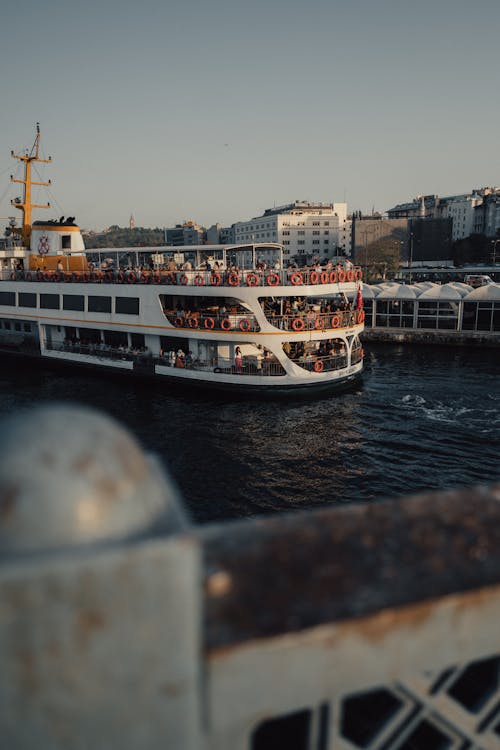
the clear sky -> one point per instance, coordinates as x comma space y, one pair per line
214, 110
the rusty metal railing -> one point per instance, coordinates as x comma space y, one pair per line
122, 625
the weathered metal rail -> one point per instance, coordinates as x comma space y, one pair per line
123, 626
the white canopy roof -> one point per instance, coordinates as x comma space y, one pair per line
398, 291
443, 293
487, 292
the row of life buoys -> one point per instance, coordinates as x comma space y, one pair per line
209, 324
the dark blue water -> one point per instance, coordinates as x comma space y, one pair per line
422, 419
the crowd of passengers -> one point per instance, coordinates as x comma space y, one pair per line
300, 352
216, 266
100, 347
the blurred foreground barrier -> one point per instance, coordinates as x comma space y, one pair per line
122, 626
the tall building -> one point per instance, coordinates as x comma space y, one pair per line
131, 222
189, 233
304, 229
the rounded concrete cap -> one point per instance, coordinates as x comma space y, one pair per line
70, 475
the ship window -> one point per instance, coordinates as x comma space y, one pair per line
27, 299
127, 305
49, 301
7, 298
99, 304
6, 325
73, 302
137, 340
17, 326
66, 242
27, 328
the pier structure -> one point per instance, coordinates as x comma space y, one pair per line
123, 625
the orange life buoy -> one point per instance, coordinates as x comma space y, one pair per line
319, 366
341, 277
199, 280
298, 324
350, 275
144, 278
156, 278
121, 277
234, 279
183, 279
335, 321
216, 279
131, 278
273, 279
325, 277
333, 277
47, 276
313, 277
226, 324
244, 325
252, 279
361, 316
178, 322
358, 275
209, 323
193, 322
296, 278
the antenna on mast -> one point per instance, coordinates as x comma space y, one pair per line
25, 205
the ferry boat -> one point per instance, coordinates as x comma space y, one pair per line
226, 316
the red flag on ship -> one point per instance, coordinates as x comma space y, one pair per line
359, 299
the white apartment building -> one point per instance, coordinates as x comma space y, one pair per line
303, 228
461, 209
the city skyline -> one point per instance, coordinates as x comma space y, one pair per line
214, 112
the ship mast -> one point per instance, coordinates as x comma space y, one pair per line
26, 205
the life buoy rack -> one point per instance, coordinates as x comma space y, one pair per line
226, 324
199, 280
358, 275
296, 279
325, 277
298, 324
319, 366
333, 277
361, 316
335, 321
341, 277
209, 324
193, 322
313, 277
252, 279
233, 279
131, 278
273, 279
216, 279
350, 275
183, 279
178, 322
244, 325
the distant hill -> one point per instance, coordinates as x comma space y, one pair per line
117, 236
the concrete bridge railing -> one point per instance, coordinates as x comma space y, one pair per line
123, 626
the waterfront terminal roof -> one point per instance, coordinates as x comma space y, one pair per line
454, 291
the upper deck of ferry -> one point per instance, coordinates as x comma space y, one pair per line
247, 265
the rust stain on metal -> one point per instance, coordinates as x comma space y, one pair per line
8, 497
88, 623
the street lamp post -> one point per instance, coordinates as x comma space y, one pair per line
411, 255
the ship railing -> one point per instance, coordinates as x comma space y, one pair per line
317, 321
318, 363
125, 625
213, 321
198, 278
251, 366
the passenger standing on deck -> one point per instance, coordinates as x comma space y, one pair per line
238, 360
